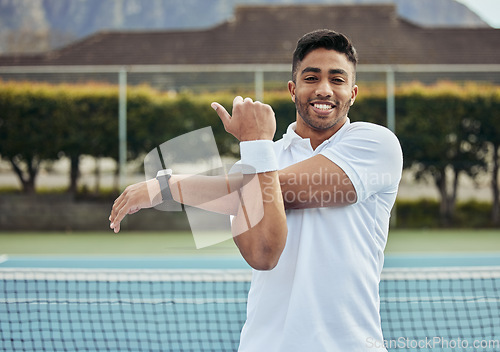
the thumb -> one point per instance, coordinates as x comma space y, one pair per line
222, 112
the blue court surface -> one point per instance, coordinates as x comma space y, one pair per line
428, 303
228, 262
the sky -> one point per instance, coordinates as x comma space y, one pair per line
488, 10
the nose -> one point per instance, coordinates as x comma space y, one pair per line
323, 89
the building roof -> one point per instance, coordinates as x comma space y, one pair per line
268, 34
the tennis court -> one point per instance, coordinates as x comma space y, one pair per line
429, 302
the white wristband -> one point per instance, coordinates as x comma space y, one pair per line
258, 156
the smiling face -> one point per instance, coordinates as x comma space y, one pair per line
323, 92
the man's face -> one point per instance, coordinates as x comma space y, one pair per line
323, 90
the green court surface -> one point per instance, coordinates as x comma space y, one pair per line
182, 243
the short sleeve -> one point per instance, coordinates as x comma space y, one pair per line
371, 157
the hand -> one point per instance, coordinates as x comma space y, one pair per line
135, 197
250, 121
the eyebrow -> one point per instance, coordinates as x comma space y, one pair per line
318, 70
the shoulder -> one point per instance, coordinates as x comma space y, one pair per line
363, 142
370, 155
369, 133
369, 128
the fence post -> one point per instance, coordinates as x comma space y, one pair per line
122, 127
391, 119
259, 85
391, 100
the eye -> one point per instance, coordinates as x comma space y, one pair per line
338, 80
310, 78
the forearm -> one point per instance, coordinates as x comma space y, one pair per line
212, 193
260, 228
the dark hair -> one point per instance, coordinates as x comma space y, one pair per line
323, 38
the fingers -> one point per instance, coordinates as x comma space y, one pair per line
134, 198
222, 112
239, 100
244, 122
118, 212
116, 207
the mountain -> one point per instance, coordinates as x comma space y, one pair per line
38, 25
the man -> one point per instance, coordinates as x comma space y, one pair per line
318, 263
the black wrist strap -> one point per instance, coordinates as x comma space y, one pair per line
166, 194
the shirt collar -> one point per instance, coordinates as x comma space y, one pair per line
291, 136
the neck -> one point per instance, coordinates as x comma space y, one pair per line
315, 136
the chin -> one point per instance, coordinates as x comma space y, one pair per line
325, 123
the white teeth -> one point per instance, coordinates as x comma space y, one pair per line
322, 106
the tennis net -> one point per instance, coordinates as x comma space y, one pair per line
445, 309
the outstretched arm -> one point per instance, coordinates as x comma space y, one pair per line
213, 193
259, 225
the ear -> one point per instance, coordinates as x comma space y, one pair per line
291, 89
354, 94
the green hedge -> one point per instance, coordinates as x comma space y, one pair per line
424, 213
45, 120
441, 127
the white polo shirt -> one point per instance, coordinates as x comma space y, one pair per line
323, 293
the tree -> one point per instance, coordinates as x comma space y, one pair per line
439, 141
91, 127
29, 130
485, 108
